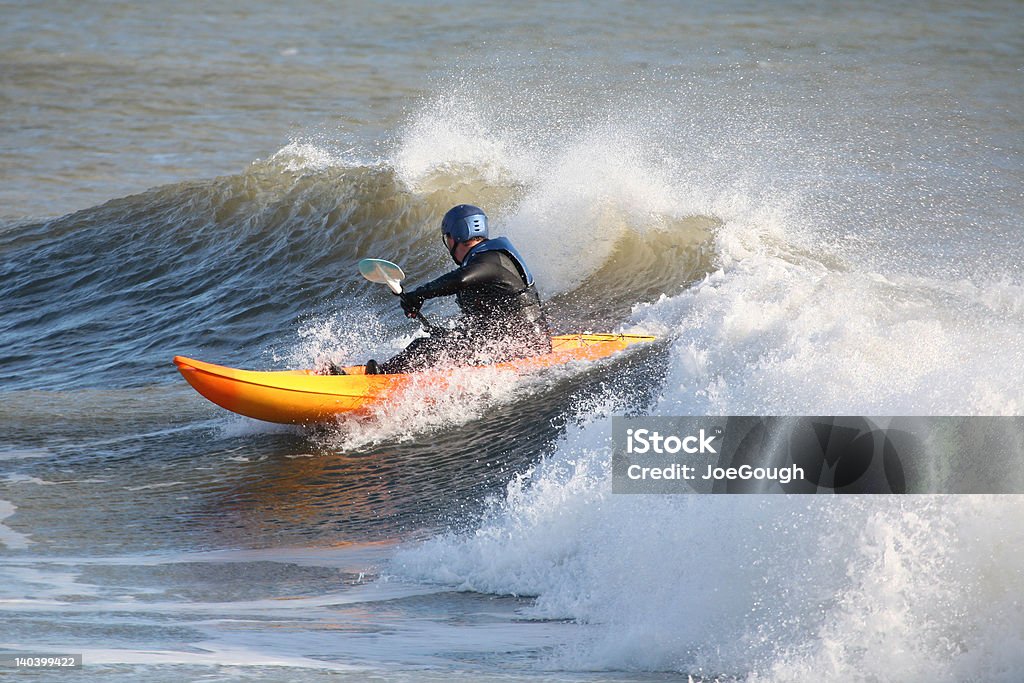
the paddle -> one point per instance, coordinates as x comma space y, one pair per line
388, 273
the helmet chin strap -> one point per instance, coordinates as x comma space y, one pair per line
451, 251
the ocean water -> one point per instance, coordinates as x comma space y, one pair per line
817, 207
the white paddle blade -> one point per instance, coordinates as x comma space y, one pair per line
384, 272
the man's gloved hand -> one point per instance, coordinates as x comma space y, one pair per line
411, 303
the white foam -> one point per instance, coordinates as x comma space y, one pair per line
30, 584
157, 485
339, 337
26, 479
785, 588
8, 536
312, 155
346, 556
931, 593
770, 336
13, 453
592, 191
430, 402
450, 136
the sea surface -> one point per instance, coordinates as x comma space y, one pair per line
817, 207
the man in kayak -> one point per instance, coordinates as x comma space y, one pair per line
502, 316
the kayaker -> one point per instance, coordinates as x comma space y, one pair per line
502, 316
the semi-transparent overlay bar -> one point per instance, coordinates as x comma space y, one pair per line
830, 454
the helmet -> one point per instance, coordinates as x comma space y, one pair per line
464, 222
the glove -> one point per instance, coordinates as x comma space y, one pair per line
411, 303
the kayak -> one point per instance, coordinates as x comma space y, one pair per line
304, 397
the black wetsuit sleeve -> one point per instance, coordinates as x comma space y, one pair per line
447, 284
485, 270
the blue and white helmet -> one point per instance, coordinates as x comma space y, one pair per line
464, 222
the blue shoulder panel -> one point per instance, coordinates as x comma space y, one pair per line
505, 245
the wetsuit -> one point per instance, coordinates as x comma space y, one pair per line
502, 315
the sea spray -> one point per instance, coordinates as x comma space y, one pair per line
791, 317
776, 588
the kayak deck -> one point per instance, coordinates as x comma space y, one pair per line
304, 397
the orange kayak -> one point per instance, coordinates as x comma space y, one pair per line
303, 397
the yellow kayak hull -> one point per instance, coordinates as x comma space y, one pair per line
303, 397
